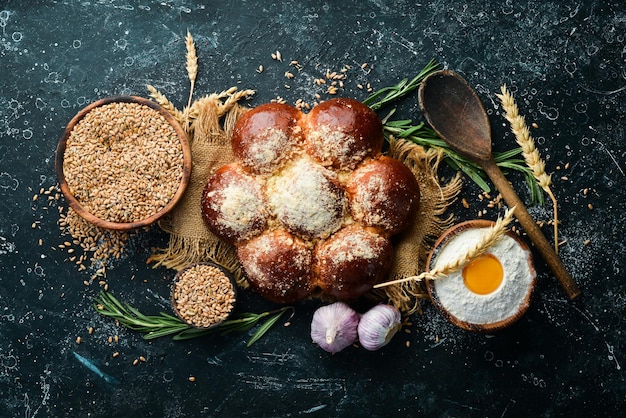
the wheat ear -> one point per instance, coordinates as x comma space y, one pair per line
529, 151
192, 69
166, 104
233, 97
491, 237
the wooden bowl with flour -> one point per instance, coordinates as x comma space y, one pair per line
490, 292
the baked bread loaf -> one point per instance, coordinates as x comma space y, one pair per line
310, 202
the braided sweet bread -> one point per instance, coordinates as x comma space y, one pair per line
310, 202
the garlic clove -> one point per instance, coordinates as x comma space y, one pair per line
378, 326
334, 327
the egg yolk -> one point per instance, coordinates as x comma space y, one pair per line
483, 275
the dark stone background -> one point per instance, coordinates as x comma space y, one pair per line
565, 63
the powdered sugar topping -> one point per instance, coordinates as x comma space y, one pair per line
268, 152
355, 245
306, 200
239, 207
335, 148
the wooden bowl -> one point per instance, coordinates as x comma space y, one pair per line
76, 205
499, 309
177, 279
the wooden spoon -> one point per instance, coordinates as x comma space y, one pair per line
455, 112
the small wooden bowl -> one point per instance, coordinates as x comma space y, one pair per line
519, 305
76, 205
177, 278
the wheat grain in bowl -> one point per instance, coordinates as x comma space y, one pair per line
123, 162
203, 295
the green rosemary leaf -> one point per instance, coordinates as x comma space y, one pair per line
164, 324
150, 335
389, 115
263, 329
241, 323
386, 95
410, 131
266, 326
506, 155
514, 164
402, 123
536, 192
474, 174
386, 90
138, 315
421, 136
167, 316
110, 302
191, 333
246, 316
242, 327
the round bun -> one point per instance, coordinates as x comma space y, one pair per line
265, 137
310, 203
307, 199
341, 133
277, 254
233, 204
352, 261
383, 193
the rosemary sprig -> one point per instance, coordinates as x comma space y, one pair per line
390, 94
428, 138
155, 326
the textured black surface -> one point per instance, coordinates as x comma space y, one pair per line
566, 65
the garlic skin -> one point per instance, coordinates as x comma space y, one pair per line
378, 326
334, 327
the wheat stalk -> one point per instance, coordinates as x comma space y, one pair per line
192, 69
166, 104
529, 151
491, 237
234, 96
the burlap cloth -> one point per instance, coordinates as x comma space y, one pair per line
210, 130
212, 123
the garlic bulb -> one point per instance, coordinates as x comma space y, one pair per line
334, 327
378, 326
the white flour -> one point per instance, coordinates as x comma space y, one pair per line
499, 305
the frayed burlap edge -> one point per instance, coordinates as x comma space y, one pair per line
212, 120
182, 251
430, 221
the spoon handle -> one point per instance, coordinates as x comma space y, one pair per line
531, 228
